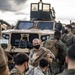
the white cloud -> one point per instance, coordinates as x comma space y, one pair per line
10, 17
64, 11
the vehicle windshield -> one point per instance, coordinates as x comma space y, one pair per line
25, 25
45, 25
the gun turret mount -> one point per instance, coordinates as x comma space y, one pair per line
40, 0
43, 11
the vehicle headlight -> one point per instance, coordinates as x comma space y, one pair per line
5, 36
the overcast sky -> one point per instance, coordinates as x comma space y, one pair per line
13, 10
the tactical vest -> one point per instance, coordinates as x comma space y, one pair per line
52, 46
41, 56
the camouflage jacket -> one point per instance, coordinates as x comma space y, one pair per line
68, 40
68, 72
15, 71
63, 48
59, 49
42, 53
38, 71
54, 46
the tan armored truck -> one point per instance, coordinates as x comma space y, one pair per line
41, 25
42, 30
4, 26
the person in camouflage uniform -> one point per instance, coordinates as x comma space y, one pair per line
58, 48
55, 43
68, 37
38, 52
3, 63
40, 70
70, 60
22, 66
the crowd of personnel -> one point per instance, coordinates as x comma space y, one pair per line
54, 57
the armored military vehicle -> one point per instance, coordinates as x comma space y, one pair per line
29, 30
4, 25
40, 26
42, 11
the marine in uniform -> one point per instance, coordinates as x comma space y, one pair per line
58, 48
43, 66
22, 66
30, 71
68, 37
38, 52
70, 60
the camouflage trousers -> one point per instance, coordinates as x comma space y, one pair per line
47, 72
54, 68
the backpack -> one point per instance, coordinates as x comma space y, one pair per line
52, 46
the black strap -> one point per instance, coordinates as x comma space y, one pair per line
40, 55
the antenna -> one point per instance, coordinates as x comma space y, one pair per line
40, 0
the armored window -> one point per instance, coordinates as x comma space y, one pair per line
34, 7
46, 7
25, 25
45, 25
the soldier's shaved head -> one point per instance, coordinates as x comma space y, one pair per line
36, 41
